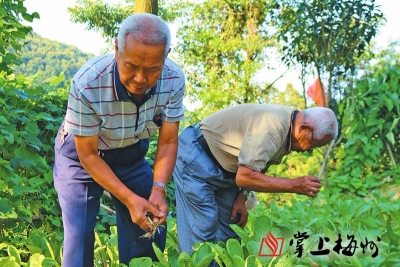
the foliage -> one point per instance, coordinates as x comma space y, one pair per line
30, 227
43, 58
359, 221
12, 31
223, 51
371, 115
28, 122
328, 35
327, 216
106, 18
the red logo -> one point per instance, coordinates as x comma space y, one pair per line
271, 246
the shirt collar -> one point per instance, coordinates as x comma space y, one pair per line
293, 117
122, 93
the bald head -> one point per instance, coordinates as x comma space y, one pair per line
322, 120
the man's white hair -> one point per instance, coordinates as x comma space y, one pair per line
146, 28
323, 120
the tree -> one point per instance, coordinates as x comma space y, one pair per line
146, 6
327, 35
371, 116
223, 46
12, 31
106, 18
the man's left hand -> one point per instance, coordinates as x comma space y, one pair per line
157, 198
239, 207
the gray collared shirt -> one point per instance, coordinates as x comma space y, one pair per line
252, 135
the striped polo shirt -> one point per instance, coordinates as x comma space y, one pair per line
99, 104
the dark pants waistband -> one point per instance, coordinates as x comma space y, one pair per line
125, 156
203, 143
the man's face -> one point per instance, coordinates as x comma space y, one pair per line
306, 140
140, 65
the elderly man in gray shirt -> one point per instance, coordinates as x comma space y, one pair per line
229, 152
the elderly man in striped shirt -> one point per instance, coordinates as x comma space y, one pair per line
116, 103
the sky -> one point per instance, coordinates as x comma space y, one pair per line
55, 24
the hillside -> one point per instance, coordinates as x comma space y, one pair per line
46, 58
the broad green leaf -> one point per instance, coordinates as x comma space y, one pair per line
13, 252
391, 261
355, 262
223, 254
32, 128
141, 262
394, 124
160, 255
241, 232
238, 261
36, 260
31, 139
173, 255
4, 206
49, 263
3, 120
9, 262
389, 103
394, 239
284, 261
372, 121
261, 226
205, 261
202, 251
27, 154
57, 80
390, 137
184, 260
22, 94
234, 248
49, 248
253, 261
34, 249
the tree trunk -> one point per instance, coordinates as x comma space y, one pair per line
146, 6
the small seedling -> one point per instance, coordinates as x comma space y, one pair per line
153, 225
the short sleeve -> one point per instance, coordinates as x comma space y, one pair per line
81, 119
174, 110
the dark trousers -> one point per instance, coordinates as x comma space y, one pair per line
79, 197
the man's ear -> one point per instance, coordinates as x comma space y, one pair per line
116, 45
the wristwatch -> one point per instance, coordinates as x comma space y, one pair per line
162, 185
245, 193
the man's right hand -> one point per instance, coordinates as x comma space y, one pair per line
138, 208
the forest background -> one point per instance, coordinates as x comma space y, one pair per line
226, 56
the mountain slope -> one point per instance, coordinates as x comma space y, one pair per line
46, 58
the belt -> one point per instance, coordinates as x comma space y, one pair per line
203, 143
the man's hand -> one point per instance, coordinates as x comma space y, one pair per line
306, 185
157, 198
239, 207
139, 207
